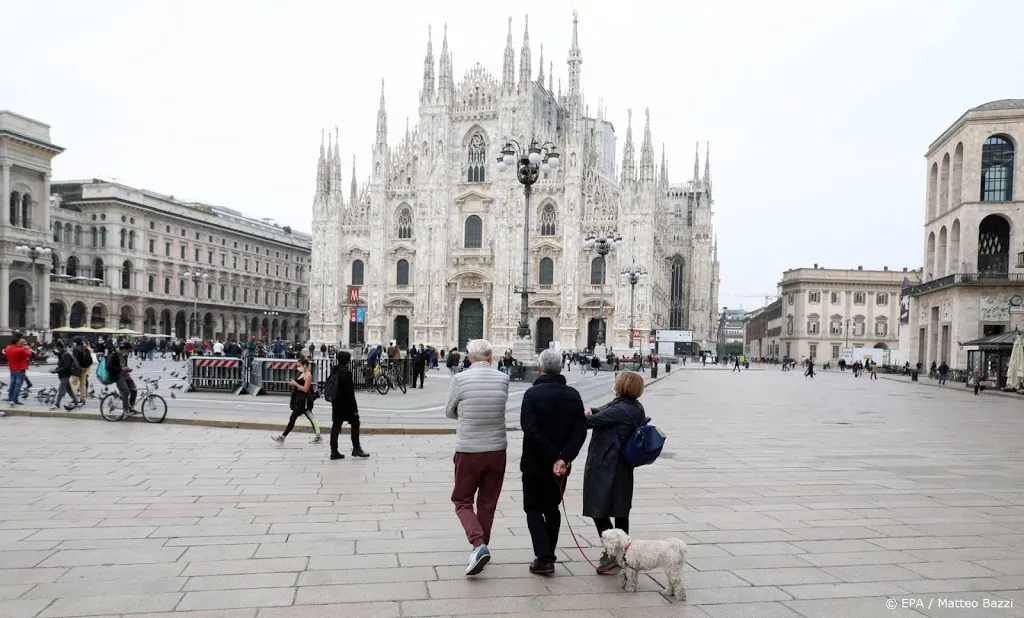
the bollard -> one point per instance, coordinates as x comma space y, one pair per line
668, 367
913, 376
654, 371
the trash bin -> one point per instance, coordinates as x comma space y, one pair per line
668, 367
654, 371
913, 376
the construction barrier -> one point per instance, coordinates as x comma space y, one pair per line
271, 375
215, 373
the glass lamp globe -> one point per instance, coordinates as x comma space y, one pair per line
535, 158
501, 166
554, 161
509, 158
545, 167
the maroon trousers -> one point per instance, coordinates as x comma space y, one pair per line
478, 478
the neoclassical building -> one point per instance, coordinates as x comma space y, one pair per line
433, 240
125, 258
974, 247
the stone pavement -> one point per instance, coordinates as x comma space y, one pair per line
818, 498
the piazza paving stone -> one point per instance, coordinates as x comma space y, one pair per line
828, 497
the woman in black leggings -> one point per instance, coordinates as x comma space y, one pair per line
301, 403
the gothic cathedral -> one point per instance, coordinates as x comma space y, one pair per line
433, 240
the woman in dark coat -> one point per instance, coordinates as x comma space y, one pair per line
607, 478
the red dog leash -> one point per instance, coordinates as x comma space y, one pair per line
563, 482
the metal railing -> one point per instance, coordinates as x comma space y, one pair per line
986, 278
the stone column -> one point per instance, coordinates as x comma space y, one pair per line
5, 197
5, 290
44, 297
44, 214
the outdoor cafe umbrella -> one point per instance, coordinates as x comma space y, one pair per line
127, 331
1015, 370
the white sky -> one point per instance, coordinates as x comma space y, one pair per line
818, 113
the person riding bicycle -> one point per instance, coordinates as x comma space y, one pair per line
120, 374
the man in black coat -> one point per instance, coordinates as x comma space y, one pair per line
344, 408
554, 429
419, 368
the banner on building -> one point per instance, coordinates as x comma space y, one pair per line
352, 314
905, 302
360, 315
353, 294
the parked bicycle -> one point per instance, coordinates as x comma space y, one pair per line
388, 377
153, 407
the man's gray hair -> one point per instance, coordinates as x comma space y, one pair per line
550, 361
479, 350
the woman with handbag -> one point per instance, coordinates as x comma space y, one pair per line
608, 478
302, 400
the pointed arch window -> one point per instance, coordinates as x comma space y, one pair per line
597, 271
357, 272
548, 220
474, 233
547, 271
997, 169
477, 159
677, 296
402, 272
405, 223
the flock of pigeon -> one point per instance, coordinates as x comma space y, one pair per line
48, 395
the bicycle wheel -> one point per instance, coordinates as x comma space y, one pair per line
397, 379
382, 385
111, 408
154, 409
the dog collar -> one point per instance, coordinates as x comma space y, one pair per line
624, 552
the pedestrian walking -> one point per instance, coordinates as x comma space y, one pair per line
66, 367
943, 373
554, 429
810, 368
874, 371
18, 354
301, 403
607, 478
476, 400
83, 353
419, 368
344, 408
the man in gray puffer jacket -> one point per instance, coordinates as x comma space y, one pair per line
477, 399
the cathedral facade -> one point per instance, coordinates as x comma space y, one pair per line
433, 241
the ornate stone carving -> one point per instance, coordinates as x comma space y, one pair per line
471, 282
994, 309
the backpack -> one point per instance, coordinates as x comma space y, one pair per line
102, 372
76, 367
84, 357
331, 387
643, 446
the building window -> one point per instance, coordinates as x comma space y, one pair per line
789, 330
405, 223
548, 220
223, 292
152, 246
835, 351
197, 255
835, 327
881, 329
245, 295
97, 270
209, 290
858, 298
812, 327
131, 240
357, 272
474, 233
95, 237
791, 298
246, 264
277, 299
234, 294
181, 288
182, 252
126, 275
997, 169
597, 274
277, 270
151, 285
834, 298
223, 259
402, 272
103, 237
814, 351
78, 235
814, 297
152, 225
547, 271
477, 159
881, 299
858, 329
209, 257
167, 285
57, 228
234, 261
167, 249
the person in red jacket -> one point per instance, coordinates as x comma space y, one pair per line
18, 354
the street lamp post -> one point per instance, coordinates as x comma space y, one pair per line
195, 276
603, 244
848, 332
34, 253
633, 273
529, 162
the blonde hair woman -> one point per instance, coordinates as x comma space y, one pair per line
607, 478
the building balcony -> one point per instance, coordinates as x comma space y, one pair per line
983, 278
483, 256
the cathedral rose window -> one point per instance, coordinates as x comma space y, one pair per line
477, 159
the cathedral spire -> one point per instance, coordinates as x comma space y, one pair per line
525, 62
336, 168
540, 70
575, 61
382, 119
647, 151
321, 168
628, 165
445, 82
663, 178
551, 77
696, 166
707, 169
354, 191
508, 70
427, 94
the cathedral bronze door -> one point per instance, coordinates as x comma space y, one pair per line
471, 321
593, 330
401, 331
545, 333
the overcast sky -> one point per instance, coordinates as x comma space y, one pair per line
818, 117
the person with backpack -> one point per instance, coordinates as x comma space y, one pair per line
608, 477
117, 369
340, 390
66, 367
83, 354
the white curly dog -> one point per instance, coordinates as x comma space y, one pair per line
637, 556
